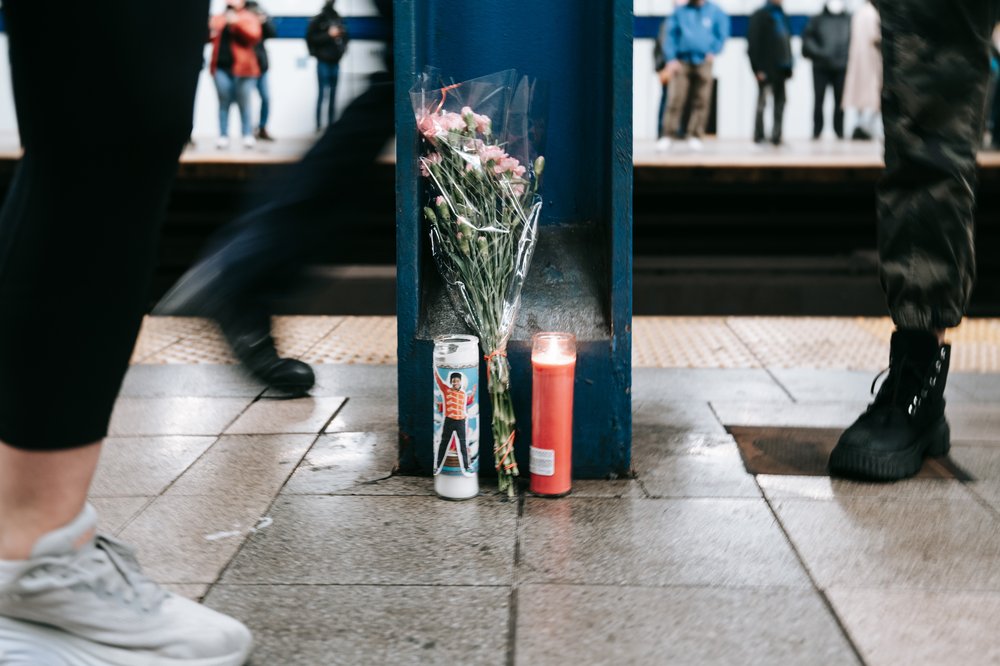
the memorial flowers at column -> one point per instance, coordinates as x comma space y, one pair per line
484, 174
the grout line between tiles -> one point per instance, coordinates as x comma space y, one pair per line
805, 567
267, 511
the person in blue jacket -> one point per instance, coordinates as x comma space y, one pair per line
695, 35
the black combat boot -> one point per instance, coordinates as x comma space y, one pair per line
906, 422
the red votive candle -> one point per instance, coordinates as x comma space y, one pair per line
553, 361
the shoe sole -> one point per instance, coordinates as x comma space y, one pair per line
24, 639
861, 464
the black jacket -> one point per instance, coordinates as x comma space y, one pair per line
769, 44
827, 39
268, 31
321, 45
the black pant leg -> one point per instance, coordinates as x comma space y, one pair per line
78, 230
936, 58
838, 96
821, 79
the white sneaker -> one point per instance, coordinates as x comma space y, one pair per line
222, 142
92, 606
663, 144
249, 141
695, 144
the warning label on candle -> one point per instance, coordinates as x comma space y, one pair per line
543, 461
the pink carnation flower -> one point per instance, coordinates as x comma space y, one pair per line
433, 158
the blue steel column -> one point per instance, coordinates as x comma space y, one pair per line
581, 278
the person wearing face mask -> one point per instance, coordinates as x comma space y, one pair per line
826, 41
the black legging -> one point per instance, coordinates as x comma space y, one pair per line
79, 227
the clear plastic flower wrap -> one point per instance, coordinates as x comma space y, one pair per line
484, 170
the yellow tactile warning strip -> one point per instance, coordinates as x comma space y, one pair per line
688, 342
369, 340
296, 336
812, 342
842, 343
159, 333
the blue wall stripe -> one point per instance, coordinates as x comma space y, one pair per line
648, 27
358, 27
374, 27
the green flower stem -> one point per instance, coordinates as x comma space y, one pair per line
504, 423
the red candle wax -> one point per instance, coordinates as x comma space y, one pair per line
553, 361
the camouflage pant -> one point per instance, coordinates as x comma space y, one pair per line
936, 59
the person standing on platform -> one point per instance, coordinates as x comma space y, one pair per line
662, 73
267, 248
695, 35
327, 40
769, 45
826, 41
78, 236
268, 31
863, 82
234, 34
937, 69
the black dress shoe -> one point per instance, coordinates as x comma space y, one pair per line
906, 423
206, 290
254, 347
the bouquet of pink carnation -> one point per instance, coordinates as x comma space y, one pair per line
484, 173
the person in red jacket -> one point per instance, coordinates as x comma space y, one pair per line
235, 68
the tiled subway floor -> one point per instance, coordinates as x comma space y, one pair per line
286, 514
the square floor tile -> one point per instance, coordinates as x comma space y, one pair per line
694, 626
983, 464
343, 461
356, 381
192, 381
366, 415
174, 416
655, 542
350, 624
815, 385
320, 540
869, 542
244, 466
975, 387
664, 384
689, 465
184, 539
114, 513
302, 415
974, 422
676, 416
798, 415
607, 488
825, 488
144, 465
921, 628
